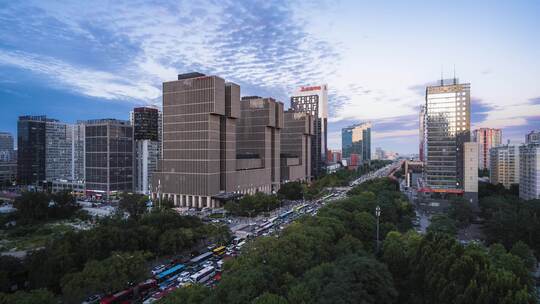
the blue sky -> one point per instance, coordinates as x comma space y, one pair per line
75, 60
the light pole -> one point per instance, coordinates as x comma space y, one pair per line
378, 215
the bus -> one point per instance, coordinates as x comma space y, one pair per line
201, 258
165, 275
263, 228
219, 250
285, 214
203, 275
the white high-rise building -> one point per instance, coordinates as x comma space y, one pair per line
314, 100
529, 177
504, 165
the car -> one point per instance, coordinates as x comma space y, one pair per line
92, 299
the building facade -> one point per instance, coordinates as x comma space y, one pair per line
447, 128
356, 139
258, 145
470, 172
215, 146
504, 165
199, 140
109, 157
533, 137
314, 100
146, 133
58, 150
422, 134
529, 177
31, 147
486, 138
296, 139
6, 147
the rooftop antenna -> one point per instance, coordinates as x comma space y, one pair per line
455, 80
442, 79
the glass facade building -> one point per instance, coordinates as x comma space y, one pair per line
447, 128
31, 148
108, 157
356, 139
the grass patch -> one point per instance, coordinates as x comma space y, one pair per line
31, 237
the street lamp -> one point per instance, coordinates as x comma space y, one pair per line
378, 215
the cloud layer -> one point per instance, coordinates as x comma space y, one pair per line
124, 50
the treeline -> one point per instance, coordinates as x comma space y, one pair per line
35, 207
508, 220
86, 262
252, 205
331, 258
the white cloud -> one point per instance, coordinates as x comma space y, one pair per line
82, 80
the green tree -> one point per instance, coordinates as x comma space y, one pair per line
105, 276
133, 204
291, 191
348, 279
442, 224
32, 206
270, 298
520, 249
194, 294
41, 296
461, 211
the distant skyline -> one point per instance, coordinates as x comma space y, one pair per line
99, 59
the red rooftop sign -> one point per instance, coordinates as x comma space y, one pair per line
304, 89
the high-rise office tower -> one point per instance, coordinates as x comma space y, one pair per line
109, 157
504, 165
356, 139
31, 148
296, 146
533, 137
486, 139
8, 164
529, 166
58, 150
447, 126
259, 139
145, 121
314, 100
6, 147
49, 150
199, 140
422, 134
214, 145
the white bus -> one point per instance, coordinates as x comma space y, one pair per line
203, 275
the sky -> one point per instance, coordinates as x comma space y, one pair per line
76, 60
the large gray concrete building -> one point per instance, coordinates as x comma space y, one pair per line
214, 145
296, 146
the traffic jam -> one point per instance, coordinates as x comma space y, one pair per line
205, 268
